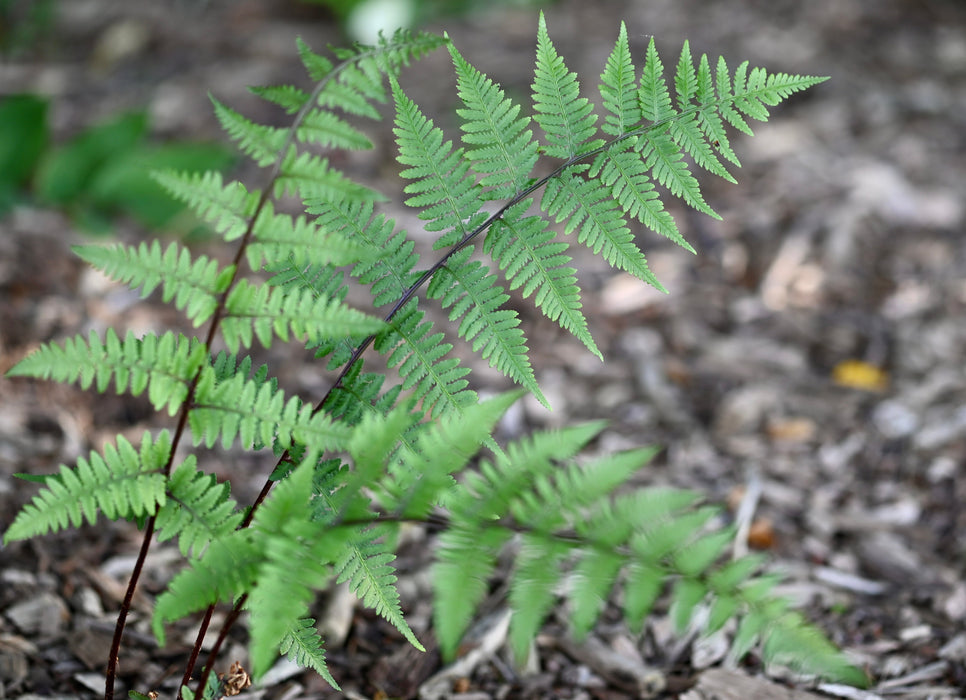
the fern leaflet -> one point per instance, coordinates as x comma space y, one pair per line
124, 482
198, 509
193, 284
303, 645
500, 147
163, 366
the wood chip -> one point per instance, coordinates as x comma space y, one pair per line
722, 684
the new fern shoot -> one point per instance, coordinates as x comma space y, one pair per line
400, 436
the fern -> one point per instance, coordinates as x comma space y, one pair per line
303, 645
403, 443
121, 483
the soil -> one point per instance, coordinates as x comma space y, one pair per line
808, 361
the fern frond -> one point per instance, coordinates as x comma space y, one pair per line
618, 89
567, 120
356, 82
311, 178
317, 66
259, 142
198, 509
471, 293
302, 644
420, 358
258, 414
465, 561
653, 95
532, 595
631, 187
329, 131
297, 558
589, 209
531, 257
666, 162
590, 586
264, 143
193, 283
288, 97
442, 186
486, 495
303, 241
688, 131
686, 594
499, 144
365, 565
123, 482
792, 642
388, 264
266, 312
164, 366
226, 569
228, 208
422, 477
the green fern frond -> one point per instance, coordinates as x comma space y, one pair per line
259, 142
326, 130
228, 208
297, 557
792, 642
653, 95
193, 283
198, 509
288, 97
686, 594
465, 561
631, 187
388, 265
123, 482
311, 178
665, 160
500, 146
266, 312
365, 565
589, 588
419, 355
618, 89
688, 130
317, 66
537, 570
442, 186
258, 414
422, 477
164, 366
303, 241
567, 120
589, 209
471, 293
302, 644
226, 569
532, 258
356, 82
488, 494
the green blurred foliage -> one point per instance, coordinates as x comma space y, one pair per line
23, 138
23, 23
99, 174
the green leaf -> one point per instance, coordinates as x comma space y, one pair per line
67, 172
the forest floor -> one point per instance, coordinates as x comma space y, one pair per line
813, 351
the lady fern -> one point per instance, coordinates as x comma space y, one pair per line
383, 448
